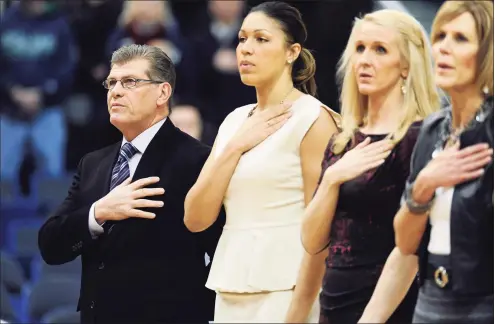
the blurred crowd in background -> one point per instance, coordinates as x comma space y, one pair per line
55, 54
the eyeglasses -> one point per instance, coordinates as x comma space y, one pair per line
127, 83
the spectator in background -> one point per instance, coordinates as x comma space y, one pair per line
188, 120
187, 11
186, 114
147, 23
92, 22
218, 85
37, 60
153, 23
446, 217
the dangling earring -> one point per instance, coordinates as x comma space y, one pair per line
403, 87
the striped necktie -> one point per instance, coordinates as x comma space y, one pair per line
121, 169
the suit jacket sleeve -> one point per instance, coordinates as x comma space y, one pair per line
63, 236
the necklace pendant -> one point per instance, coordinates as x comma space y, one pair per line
251, 112
436, 152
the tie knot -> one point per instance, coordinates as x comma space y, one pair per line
128, 151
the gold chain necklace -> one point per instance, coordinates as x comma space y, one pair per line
281, 102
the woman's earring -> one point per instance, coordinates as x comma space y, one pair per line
289, 61
485, 90
403, 88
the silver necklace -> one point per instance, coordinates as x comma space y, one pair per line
281, 102
449, 136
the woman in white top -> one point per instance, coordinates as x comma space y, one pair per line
447, 212
446, 218
264, 168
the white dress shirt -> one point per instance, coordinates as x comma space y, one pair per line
141, 142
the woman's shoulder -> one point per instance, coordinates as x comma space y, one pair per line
309, 105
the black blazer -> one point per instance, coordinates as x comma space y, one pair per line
471, 221
143, 270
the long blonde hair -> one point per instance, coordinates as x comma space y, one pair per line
421, 97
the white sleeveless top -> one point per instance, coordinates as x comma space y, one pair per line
440, 221
260, 248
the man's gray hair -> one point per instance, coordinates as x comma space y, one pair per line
161, 67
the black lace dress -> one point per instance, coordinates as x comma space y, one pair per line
362, 234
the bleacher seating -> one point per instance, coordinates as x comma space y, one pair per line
26, 279
22, 236
19, 208
28, 300
8, 191
39, 269
61, 315
6, 310
12, 274
50, 191
22, 240
37, 302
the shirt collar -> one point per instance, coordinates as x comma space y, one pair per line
142, 141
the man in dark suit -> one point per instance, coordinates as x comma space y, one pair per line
139, 262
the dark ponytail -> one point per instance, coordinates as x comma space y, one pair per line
303, 72
290, 20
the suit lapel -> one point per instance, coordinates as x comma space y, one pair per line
158, 152
155, 159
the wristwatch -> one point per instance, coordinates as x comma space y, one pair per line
412, 205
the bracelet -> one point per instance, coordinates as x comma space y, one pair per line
413, 206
